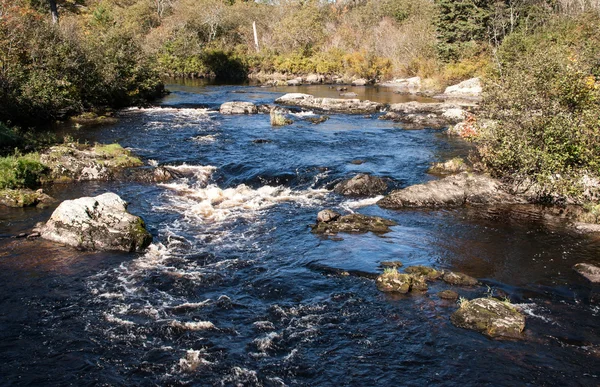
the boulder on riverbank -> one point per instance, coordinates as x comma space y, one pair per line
24, 198
329, 222
236, 107
452, 191
362, 185
470, 89
590, 272
97, 223
405, 85
80, 162
338, 105
491, 317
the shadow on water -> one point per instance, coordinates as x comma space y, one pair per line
235, 290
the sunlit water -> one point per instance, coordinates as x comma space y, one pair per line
235, 290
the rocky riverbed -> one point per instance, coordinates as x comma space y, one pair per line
235, 289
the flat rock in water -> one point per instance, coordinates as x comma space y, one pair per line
391, 264
354, 223
238, 108
339, 105
452, 191
591, 272
491, 317
326, 216
97, 223
459, 279
362, 185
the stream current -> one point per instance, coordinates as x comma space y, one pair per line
236, 290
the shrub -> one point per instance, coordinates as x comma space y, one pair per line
544, 100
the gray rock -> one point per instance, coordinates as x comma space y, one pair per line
97, 223
491, 317
326, 216
362, 185
459, 279
391, 264
294, 82
348, 94
591, 272
24, 198
436, 115
469, 88
405, 85
452, 191
354, 223
339, 105
238, 108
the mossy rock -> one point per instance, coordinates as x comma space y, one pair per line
429, 273
391, 264
494, 318
393, 282
24, 198
418, 283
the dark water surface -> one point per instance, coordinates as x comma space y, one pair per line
237, 291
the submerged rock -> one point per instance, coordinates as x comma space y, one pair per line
340, 105
353, 223
317, 120
80, 162
491, 317
24, 198
238, 108
428, 273
391, 264
452, 191
362, 185
97, 223
448, 295
154, 175
459, 279
591, 272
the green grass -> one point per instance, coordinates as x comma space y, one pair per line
21, 171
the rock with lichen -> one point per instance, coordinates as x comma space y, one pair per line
391, 281
590, 272
97, 223
494, 318
362, 185
24, 198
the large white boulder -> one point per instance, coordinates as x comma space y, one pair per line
469, 88
97, 223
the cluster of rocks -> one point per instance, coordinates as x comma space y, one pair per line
490, 316
280, 79
330, 222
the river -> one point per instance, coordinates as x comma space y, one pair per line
236, 290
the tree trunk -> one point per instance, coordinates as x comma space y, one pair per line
53, 11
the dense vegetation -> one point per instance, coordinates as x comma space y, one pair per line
543, 98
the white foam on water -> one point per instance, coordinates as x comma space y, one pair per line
212, 204
116, 320
267, 342
355, 204
192, 360
533, 310
206, 139
303, 114
194, 325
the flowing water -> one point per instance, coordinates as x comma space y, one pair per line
235, 290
